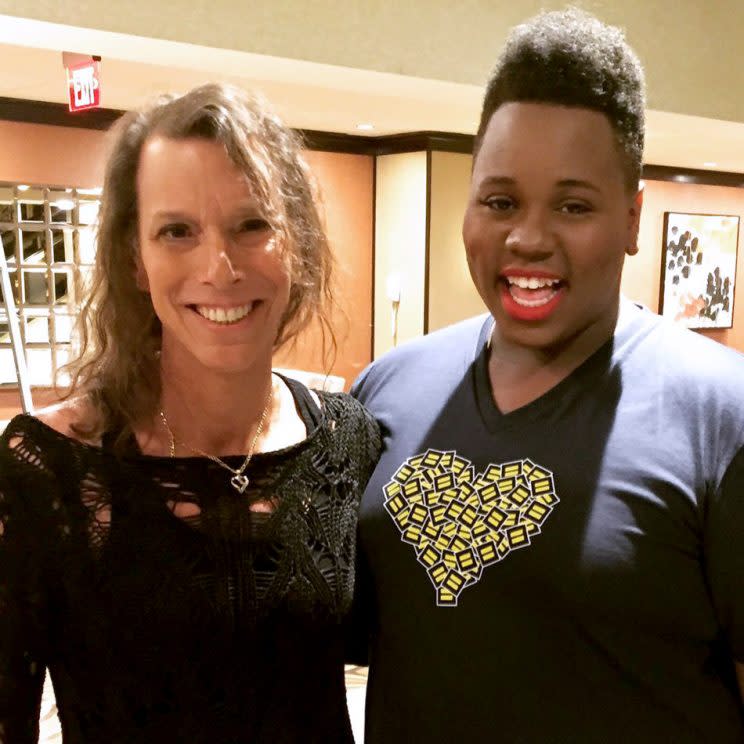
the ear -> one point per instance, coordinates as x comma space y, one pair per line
634, 221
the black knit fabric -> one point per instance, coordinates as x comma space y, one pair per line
222, 626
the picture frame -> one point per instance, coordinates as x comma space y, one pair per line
698, 269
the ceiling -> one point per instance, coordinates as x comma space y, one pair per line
309, 95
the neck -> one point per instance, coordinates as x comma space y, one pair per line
215, 412
521, 374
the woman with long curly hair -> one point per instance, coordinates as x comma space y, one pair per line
177, 539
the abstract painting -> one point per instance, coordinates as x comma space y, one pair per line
698, 269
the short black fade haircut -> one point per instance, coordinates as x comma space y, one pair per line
570, 58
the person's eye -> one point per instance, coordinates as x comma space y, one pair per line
499, 203
575, 207
256, 224
175, 231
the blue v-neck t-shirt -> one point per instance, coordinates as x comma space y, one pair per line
572, 571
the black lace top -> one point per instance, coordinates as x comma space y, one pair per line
221, 626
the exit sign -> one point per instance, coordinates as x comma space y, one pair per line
84, 85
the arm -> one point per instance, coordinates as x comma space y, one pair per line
358, 625
22, 609
725, 559
362, 611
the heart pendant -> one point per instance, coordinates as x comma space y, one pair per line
239, 482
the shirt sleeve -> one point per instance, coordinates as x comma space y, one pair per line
358, 623
357, 387
724, 554
23, 604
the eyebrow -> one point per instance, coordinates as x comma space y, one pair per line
246, 210
577, 183
563, 183
498, 181
168, 216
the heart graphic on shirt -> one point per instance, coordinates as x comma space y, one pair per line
459, 521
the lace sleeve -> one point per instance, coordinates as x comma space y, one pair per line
357, 629
22, 596
367, 438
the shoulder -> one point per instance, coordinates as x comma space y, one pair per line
348, 417
70, 418
30, 451
706, 379
695, 384
459, 337
679, 356
448, 350
344, 408
40, 468
33, 443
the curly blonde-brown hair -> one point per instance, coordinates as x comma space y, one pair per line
118, 367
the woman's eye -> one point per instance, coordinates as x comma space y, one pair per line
174, 232
254, 225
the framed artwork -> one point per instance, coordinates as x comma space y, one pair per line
698, 269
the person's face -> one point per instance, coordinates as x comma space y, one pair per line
548, 223
207, 256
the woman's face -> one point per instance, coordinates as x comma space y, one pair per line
208, 258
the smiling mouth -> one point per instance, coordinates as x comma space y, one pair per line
224, 315
532, 291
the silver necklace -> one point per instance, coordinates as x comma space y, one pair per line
239, 480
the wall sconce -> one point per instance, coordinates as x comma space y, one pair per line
393, 293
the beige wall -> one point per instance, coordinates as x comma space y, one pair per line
642, 274
59, 156
452, 295
691, 49
346, 184
400, 246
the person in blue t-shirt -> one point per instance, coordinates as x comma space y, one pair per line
552, 544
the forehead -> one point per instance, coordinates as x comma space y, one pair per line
547, 137
188, 170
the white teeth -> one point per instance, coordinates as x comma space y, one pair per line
534, 303
224, 315
531, 282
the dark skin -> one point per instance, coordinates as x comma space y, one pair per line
548, 202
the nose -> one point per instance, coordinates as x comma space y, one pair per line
531, 236
221, 268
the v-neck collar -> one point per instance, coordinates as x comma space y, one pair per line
591, 369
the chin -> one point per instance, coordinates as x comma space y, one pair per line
529, 335
230, 363
533, 338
